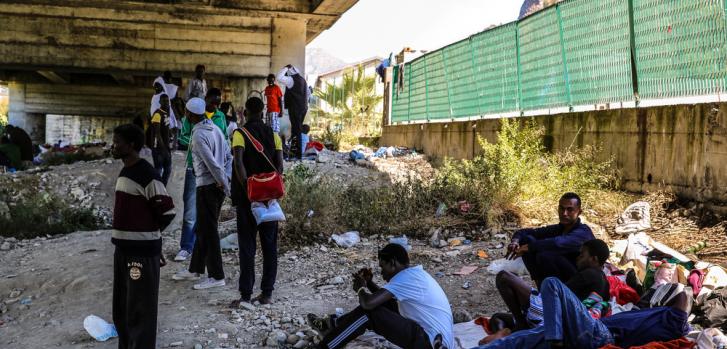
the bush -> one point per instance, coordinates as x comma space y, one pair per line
511, 179
41, 214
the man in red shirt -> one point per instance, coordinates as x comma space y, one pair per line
274, 98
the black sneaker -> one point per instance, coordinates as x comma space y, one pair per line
438, 342
321, 324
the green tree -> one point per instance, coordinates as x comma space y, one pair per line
352, 104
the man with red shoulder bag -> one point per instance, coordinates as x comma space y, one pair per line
257, 156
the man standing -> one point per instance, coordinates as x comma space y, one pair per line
213, 99
274, 100
552, 250
22, 140
247, 162
296, 101
422, 319
142, 208
158, 139
186, 243
198, 85
212, 167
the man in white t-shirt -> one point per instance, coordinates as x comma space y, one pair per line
422, 320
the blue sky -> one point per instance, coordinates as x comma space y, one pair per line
377, 27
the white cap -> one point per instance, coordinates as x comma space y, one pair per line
196, 105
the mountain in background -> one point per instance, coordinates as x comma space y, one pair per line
318, 60
531, 6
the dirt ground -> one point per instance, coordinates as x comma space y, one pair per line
49, 285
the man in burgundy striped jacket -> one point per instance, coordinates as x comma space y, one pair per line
142, 209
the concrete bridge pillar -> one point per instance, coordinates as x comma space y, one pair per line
33, 123
288, 44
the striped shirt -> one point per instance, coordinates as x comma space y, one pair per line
142, 208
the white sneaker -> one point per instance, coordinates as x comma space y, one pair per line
185, 275
182, 256
209, 283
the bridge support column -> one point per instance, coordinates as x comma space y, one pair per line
33, 123
288, 44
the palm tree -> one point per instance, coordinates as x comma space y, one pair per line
352, 104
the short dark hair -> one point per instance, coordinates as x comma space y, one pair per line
214, 91
394, 252
163, 95
131, 134
572, 196
271, 76
597, 248
200, 66
305, 128
254, 105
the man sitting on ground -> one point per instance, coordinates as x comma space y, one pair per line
423, 319
552, 250
525, 303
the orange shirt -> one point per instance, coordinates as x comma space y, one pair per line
272, 96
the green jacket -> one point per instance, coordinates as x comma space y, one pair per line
186, 134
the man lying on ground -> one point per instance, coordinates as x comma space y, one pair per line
568, 324
552, 250
525, 303
423, 319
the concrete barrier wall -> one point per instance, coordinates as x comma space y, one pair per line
680, 147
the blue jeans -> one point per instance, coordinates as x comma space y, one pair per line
190, 211
565, 319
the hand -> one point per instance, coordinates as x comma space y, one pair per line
358, 282
366, 274
522, 250
512, 249
289, 66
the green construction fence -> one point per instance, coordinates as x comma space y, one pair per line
576, 53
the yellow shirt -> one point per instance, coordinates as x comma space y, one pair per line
156, 118
239, 141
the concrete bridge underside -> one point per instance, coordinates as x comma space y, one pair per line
99, 57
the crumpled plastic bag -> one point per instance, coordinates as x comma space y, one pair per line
99, 329
515, 266
272, 212
636, 218
346, 240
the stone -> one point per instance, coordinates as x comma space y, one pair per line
4, 210
292, 339
5, 246
301, 344
461, 315
336, 280
198, 346
176, 344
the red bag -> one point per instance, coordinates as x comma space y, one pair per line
264, 186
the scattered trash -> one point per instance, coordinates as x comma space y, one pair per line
26, 301
347, 240
439, 274
635, 218
356, 155
310, 213
402, 240
229, 242
482, 254
455, 242
466, 242
339, 312
466, 285
466, 270
515, 266
697, 247
441, 210
98, 328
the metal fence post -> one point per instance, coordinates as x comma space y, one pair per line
519, 70
446, 79
632, 44
565, 64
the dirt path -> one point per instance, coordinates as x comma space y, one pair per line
70, 277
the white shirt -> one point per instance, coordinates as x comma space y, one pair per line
288, 82
196, 88
422, 300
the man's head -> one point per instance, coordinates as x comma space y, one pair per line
164, 102
305, 129
128, 140
213, 99
194, 109
253, 108
594, 254
158, 88
167, 76
271, 79
569, 208
199, 71
392, 259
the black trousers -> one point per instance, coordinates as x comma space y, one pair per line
135, 300
206, 253
546, 264
385, 320
162, 163
247, 231
297, 116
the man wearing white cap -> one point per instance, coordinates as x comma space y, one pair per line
212, 161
